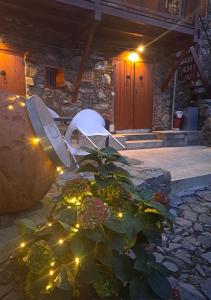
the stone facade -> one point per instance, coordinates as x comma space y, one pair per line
46, 50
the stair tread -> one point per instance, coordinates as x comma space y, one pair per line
144, 141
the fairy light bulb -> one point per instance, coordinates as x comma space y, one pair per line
10, 107
22, 104
48, 287
50, 224
77, 225
52, 264
77, 260
22, 245
120, 214
61, 241
51, 272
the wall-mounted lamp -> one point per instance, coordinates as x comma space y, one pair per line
133, 57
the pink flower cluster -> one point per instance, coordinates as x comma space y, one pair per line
94, 212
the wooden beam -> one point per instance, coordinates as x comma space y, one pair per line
84, 60
171, 74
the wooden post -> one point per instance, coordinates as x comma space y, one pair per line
84, 60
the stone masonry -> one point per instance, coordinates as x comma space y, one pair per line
45, 49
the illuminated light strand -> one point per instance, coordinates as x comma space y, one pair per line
10, 107
77, 261
120, 214
23, 245
61, 241
51, 272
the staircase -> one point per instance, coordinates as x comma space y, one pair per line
157, 139
190, 72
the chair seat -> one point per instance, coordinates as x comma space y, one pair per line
94, 131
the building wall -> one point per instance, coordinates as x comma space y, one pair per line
96, 93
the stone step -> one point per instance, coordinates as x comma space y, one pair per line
140, 136
143, 144
179, 138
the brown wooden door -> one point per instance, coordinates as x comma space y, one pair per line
12, 73
133, 97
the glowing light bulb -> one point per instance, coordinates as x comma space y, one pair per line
17, 96
23, 244
51, 272
77, 261
50, 224
35, 141
52, 263
10, 107
141, 49
48, 287
77, 225
75, 229
61, 172
133, 57
58, 169
120, 214
61, 241
22, 104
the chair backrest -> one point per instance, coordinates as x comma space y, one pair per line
53, 113
88, 121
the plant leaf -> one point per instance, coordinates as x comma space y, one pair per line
77, 246
114, 225
122, 266
87, 168
160, 285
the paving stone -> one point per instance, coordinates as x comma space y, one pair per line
192, 240
200, 270
207, 256
205, 219
183, 222
184, 257
205, 240
159, 257
173, 246
171, 266
205, 195
198, 227
189, 292
190, 215
206, 288
199, 208
188, 246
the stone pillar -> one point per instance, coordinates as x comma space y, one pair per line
205, 116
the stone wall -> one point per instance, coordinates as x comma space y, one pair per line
162, 101
43, 49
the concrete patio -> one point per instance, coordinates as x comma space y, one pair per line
189, 166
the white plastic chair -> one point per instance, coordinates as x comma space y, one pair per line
89, 123
54, 115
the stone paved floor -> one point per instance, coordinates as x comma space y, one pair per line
187, 251
181, 162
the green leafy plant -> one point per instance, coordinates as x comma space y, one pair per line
98, 238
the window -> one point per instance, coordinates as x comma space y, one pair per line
54, 77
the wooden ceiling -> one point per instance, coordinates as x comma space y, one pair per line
68, 26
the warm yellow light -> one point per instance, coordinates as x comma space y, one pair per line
58, 169
120, 214
22, 104
77, 225
51, 272
61, 241
17, 96
10, 107
49, 224
141, 49
75, 229
35, 141
48, 287
61, 172
22, 245
133, 57
52, 263
77, 261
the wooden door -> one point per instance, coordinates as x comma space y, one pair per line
12, 73
133, 95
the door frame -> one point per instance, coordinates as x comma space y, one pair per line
121, 57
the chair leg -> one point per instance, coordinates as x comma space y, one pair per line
118, 142
93, 144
